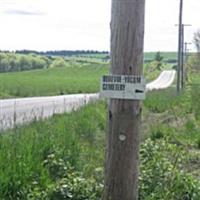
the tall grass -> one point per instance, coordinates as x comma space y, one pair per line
62, 157
76, 138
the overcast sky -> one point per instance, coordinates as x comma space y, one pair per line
84, 24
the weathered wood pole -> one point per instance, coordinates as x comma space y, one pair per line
178, 86
182, 57
124, 116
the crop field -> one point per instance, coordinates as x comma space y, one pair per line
63, 157
77, 78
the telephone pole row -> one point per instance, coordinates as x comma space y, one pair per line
181, 50
183, 54
178, 87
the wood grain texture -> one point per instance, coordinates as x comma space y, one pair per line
124, 116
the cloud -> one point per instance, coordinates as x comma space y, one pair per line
23, 12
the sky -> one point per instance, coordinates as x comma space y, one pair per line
85, 24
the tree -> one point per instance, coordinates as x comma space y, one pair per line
58, 62
25, 63
158, 58
194, 61
197, 40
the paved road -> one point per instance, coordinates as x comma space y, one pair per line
164, 80
17, 111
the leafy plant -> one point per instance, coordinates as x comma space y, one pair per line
161, 175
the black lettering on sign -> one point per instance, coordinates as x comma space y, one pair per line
138, 79
112, 79
104, 86
107, 79
122, 87
132, 79
114, 87
119, 87
117, 79
108, 86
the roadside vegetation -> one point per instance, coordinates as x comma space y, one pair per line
59, 158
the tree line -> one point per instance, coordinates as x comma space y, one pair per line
61, 52
12, 62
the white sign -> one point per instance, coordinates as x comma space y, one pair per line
123, 87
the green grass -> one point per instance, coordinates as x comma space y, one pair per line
36, 156
67, 151
166, 55
177, 117
81, 76
63, 157
147, 55
55, 81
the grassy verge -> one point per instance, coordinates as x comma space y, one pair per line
51, 159
171, 146
62, 157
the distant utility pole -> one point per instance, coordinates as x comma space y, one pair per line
124, 116
179, 46
186, 49
185, 58
183, 54
180, 65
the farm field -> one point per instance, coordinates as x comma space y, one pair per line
63, 157
166, 55
77, 78
79, 75
147, 55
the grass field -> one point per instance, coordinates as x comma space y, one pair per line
74, 79
62, 158
82, 75
166, 55
147, 55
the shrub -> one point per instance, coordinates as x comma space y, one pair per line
161, 175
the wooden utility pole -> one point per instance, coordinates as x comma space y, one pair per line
182, 56
179, 47
186, 50
185, 59
181, 62
122, 154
